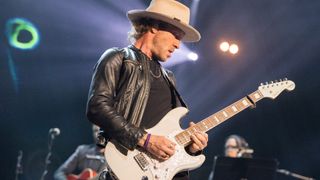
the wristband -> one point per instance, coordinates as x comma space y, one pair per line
145, 145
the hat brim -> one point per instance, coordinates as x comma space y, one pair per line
191, 34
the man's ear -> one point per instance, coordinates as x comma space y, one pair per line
153, 30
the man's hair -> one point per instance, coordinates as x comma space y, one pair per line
140, 27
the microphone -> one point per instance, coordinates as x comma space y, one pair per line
54, 131
245, 151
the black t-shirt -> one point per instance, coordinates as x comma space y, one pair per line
161, 99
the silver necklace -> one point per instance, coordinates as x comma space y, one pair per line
156, 76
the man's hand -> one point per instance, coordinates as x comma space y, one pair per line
159, 146
199, 141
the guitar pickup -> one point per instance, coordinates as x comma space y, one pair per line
142, 161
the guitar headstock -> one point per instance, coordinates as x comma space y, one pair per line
273, 89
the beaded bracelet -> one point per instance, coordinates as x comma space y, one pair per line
145, 145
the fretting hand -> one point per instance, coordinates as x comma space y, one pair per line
199, 141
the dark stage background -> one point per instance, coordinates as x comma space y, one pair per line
46, 85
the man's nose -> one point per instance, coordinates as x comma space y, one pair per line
176, 44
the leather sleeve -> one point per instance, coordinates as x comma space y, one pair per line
101, 100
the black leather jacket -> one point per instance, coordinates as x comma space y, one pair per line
119, 92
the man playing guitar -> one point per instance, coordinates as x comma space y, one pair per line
130, 90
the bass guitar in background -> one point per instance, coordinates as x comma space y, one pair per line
86, 174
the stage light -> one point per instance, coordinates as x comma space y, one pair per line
15, 28
193, 56
233, 49
224, 46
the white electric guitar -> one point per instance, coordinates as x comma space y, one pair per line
139, 164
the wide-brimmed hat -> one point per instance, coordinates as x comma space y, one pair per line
169, 11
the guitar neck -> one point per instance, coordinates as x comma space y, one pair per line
212, 121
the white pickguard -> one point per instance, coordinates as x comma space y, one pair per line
125, 167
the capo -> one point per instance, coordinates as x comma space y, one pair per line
253, 104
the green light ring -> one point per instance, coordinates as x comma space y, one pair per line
23, 24
25, 45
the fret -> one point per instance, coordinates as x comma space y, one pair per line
234, 108
188, 132
216, 119
192, 129
197, 128
177, 137
229, 111
238, 106
182, 137
245, 102
242, 106
203, 128
185, 135
183, 141
205, 125
180, 140
210, 122
225, 113
220, 116
256, 96
200, 128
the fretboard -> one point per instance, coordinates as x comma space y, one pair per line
212, 121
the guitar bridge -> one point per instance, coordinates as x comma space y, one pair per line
142, 161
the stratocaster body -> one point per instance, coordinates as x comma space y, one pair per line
131, 165
138, 164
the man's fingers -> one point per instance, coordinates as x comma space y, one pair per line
192, 123
168, 151
202, 137
196, 142
162, 147
196, 147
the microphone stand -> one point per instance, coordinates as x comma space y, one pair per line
292, 174
19, 166
47, 160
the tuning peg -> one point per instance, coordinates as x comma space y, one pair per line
275, 81
261, 84
285, 79
280, 80
271, 82
266, 83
